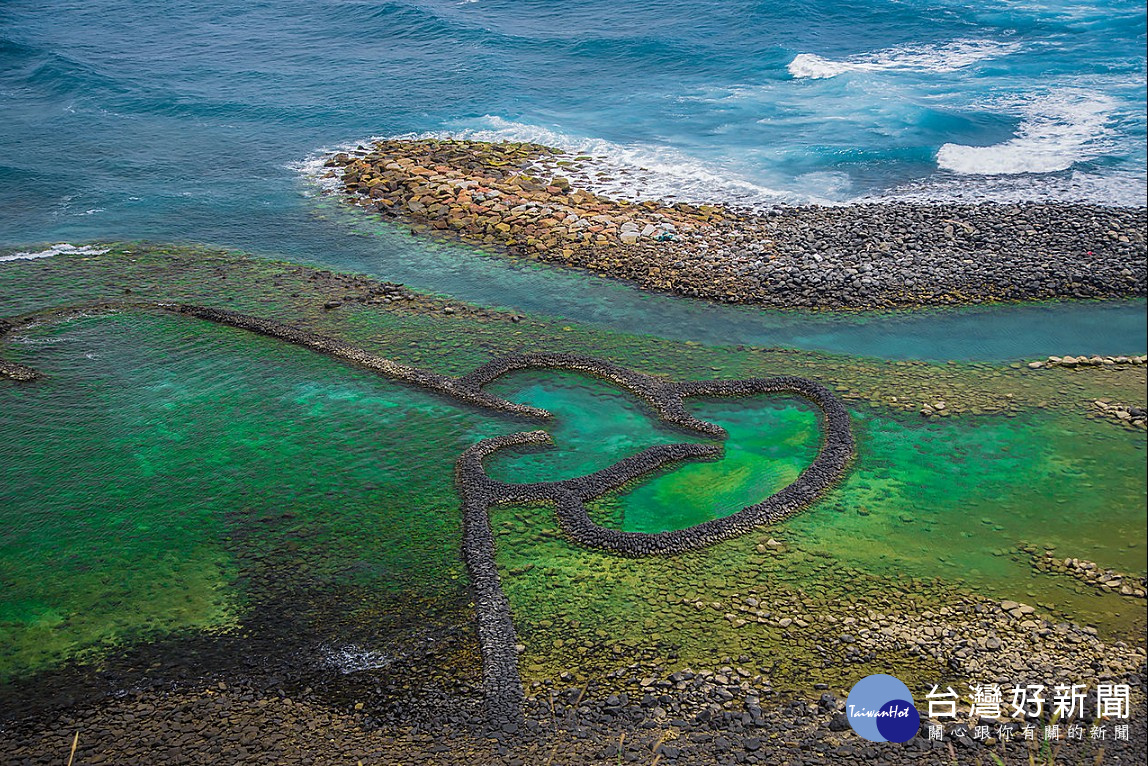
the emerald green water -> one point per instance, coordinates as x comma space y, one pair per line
162, 459
771, 439
926, 497
154, 441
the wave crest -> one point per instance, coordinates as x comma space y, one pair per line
947, 57
60, 249
1057, 131
635, 171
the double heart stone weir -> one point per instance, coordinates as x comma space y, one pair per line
502, 685
497, 639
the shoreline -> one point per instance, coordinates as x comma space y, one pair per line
855, 257
478, 492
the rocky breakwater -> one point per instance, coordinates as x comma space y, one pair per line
1084, 362
520, 197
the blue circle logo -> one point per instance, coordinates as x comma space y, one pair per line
880, 709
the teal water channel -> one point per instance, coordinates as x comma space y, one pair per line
349, 239
326, 232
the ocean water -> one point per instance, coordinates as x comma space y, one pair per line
197, 122
115, 105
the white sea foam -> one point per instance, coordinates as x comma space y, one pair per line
353, 659
813, 67
51, 341
632, 171
947, 57
60, 249
1120, 188
313, 169
1066, 126
314, 166
1057, 130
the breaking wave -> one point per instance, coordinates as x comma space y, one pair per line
948, 57
1057, 130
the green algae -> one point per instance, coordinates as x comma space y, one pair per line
153, 441
165, 470
933, 502
771, 440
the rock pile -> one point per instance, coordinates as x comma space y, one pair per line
484, 193
12, 370
856, 256
1006, 640
1076, 362
1124, 414
1088, 572
15, 371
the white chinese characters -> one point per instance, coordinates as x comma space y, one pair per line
1112, 701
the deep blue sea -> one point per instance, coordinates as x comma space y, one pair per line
196, 122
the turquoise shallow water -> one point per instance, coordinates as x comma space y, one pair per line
980, 332
353, 242
160, 455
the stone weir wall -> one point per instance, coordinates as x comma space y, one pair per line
519, 197
496, 635
12, 370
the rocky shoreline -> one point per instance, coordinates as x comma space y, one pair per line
515, 197
640, 712
1087, 572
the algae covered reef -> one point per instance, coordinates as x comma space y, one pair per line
194, 505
